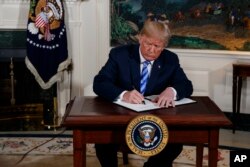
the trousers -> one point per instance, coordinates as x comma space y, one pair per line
107, 155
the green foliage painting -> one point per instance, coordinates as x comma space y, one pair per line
195, 24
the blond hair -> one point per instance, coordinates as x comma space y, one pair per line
156, 29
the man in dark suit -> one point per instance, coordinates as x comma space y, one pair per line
127, 77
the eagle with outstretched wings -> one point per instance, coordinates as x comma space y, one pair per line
147, 135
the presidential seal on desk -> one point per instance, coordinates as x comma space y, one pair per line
146, 135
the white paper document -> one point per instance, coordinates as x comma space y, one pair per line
149, 105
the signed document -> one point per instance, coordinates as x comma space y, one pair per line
149, 105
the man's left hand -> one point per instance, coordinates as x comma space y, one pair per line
166, 98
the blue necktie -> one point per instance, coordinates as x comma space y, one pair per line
144, 77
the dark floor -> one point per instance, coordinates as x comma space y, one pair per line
23, 119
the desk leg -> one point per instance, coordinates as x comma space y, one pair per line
238, 99
79, 146
234, 101
199, 155
213, 148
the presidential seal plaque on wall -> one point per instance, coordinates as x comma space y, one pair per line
146, 135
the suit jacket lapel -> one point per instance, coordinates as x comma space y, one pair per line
155, 71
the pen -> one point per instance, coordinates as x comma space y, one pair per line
143, 101
148, 98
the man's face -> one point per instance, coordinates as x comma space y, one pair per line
151, 48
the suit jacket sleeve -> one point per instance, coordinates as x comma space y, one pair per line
181, 83
106, 81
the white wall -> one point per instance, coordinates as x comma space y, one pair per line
87, 24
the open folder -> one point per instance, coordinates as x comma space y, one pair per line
149, 105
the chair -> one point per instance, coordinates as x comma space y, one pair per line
240, 70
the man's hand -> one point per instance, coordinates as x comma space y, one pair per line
133, 96
166, 98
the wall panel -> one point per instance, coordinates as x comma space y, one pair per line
88, 38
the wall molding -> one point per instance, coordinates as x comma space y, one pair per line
88, 31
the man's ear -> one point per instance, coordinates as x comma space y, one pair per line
139, 38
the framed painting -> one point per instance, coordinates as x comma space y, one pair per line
195, 24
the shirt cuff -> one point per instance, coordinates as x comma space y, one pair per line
175, 93
120, 97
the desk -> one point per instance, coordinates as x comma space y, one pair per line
239, 71
95, 120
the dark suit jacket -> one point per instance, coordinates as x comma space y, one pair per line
122, 72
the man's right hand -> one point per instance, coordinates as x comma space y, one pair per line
133, 96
